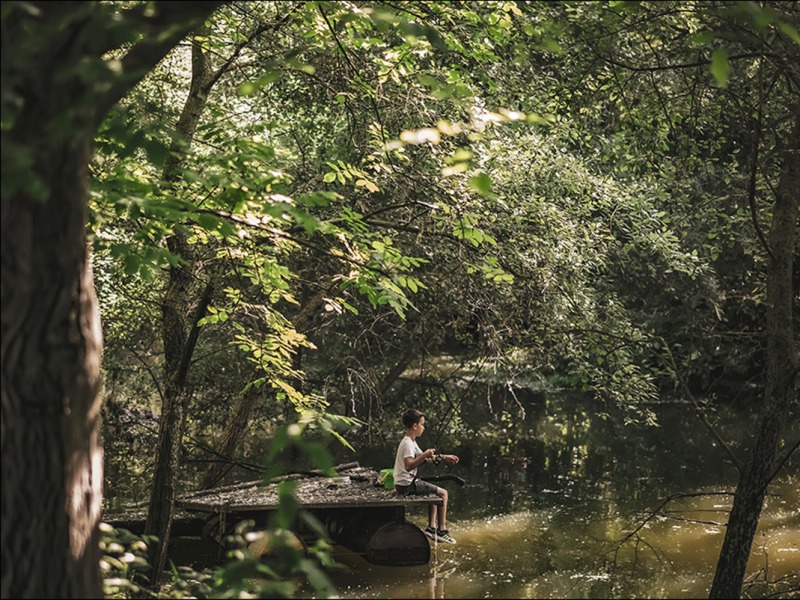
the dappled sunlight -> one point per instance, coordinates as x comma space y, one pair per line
548, 519
500, 529
680, 548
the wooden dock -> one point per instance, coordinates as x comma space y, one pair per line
352, 488
358, 514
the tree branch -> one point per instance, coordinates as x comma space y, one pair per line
781, 463
751, 188
239, 47
697, 406
672, 67
173, 21
188, 349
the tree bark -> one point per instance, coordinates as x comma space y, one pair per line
234, 430
782, 364
51, 346
170, 440
178, 343
51, 336
176, 305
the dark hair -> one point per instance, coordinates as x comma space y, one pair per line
411, 417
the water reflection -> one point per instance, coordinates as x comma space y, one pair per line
544, 515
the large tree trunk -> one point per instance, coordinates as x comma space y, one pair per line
51, 345
781, 374
51, 340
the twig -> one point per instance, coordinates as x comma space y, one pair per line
150, 372
751, 188
697, 406
460, 400
658, 511
685, 520
781, 463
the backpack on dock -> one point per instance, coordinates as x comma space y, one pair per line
386, 478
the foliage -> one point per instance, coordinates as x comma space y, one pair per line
557, 186
262, 563
123, 555
534, 205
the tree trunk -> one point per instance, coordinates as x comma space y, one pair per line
178, 343
51, 339
173, 414
781, 374
234, 430
51, 347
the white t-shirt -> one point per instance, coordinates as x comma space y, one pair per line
407, 448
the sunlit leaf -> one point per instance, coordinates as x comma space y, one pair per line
421, 136
720, 67
481, 183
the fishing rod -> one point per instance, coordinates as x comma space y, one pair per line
459, 480
450, 414
454, 407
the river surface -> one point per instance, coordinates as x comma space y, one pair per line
572, 504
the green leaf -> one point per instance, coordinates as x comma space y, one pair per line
720, 67
481, 183
367, 184
317, 198
207, 221
790, 31
132, 263
320, 457
429, 81
435, 38
349, 307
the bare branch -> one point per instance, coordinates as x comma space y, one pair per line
697, 406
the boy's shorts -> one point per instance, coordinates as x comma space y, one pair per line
418, 487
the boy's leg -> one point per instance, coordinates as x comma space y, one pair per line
432, 516
439, 533
423, 488
442, 493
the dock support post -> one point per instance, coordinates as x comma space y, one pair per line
383, 536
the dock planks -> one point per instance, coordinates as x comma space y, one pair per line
365, 517
354, 488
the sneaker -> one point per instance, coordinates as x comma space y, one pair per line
430, 532
444, 536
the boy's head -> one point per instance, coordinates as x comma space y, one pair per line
412, 417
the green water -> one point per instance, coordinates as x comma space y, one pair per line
547, 505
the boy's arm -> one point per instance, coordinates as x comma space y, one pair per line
412, 463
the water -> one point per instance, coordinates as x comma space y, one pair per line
549, 502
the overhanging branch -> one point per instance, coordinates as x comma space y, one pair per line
172, 22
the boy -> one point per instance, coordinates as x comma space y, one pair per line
409, 457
